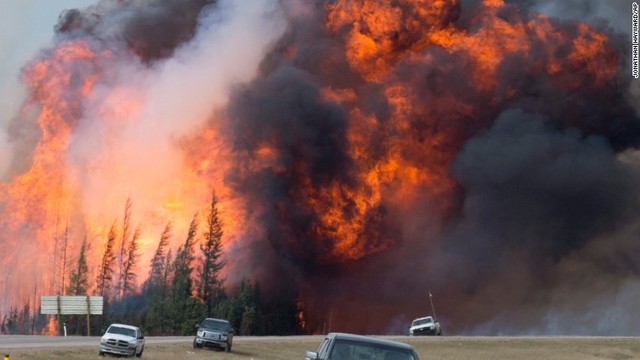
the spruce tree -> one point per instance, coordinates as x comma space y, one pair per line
168, 275
79, 280
122, 252
156, 273
157, 322
78, 286
131, 261
182, 282
210, 284
247, 298
104, 281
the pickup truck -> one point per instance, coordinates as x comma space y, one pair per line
341, 346
425, 326
121, 339
214, 333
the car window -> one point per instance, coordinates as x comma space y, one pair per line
422, 321
121, 331
322, 349
215, 325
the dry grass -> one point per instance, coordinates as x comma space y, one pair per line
480, 348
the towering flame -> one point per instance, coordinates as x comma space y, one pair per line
364, 152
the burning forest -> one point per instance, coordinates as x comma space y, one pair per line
363, 153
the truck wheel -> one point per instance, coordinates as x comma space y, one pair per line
195, 344
140, 354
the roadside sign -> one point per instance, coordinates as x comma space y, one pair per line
71, 305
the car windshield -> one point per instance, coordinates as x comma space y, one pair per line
423, 321
349, 349
121, 331
215, 325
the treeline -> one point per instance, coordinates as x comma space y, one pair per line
182, 288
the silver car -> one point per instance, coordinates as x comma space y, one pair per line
340, 346
121, 339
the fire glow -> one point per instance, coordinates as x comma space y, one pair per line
337, 136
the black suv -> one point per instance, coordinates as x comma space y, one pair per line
214, 333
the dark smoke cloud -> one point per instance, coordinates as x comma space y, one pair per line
538, 229
535, 195
602, 14
312, 147
151, 29
545, 199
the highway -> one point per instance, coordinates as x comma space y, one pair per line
37, 341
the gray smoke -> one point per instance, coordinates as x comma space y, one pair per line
538, 200
535, 235
546, 183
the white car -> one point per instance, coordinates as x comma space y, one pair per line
121, 339
425, 326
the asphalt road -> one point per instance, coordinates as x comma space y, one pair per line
37, 341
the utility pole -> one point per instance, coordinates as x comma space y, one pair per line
433, 311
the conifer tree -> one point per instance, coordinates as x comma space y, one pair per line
131, 261
182, 284
247, 299
157, 271
155, 288
183, 263
210, 284
65, 243
78, 285
168, 275
124, 245
104, 282
79, 280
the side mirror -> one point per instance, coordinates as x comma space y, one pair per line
231, 331
310, 355
141, 337
197, 326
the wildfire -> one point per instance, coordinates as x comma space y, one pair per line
328, 184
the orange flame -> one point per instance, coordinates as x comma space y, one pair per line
380, 41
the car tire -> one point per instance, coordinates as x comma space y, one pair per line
195, 344
141, 351
100, 353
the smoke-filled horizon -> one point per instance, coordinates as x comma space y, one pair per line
365, 154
